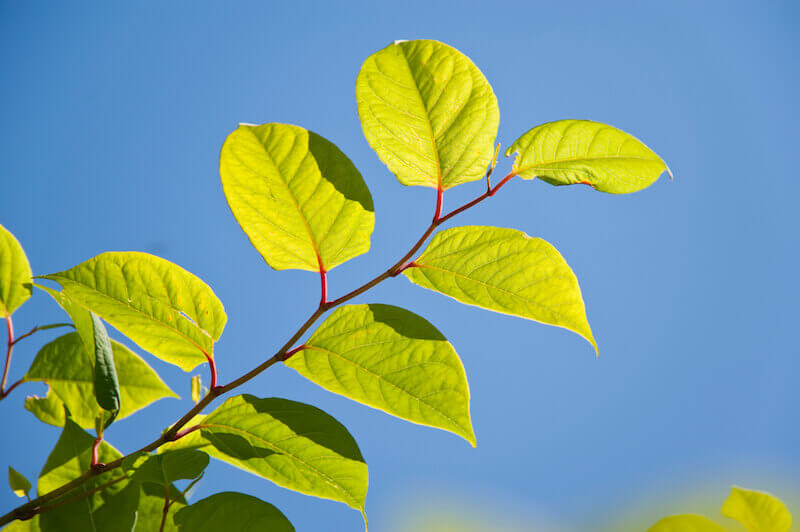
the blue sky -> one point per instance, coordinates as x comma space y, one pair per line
113, 116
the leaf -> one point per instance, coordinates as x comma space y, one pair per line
111, 509
686, 523
151, 508
232, 511
296, 446
390, 359
196, 388
66, 366
298, 198
165, 309
48, 409
15, 274
163, 469
81, 318
567, 152
428, 112
106, 384
19, 484
31, 525
506, 271
757, 511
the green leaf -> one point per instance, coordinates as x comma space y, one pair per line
68, 368
686, 523
196, 388
151, 508
757, 511
296, 446
168, 467
567, 152
232, 511
48, 409
390, 359
81, 318
300, 200
19, 484
16, 278
106, 384
428, 112
506, 271
111, 509
166, 310
31, 525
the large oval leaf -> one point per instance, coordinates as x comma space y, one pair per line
300, 200
393, 360
68, 368
428, 112
296, 446
686, 523
506, 271
232, 511
163, 308
15, 274
567, 152
757, 511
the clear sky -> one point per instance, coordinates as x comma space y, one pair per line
113, 115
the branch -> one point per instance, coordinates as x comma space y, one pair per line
29, 509
9, 351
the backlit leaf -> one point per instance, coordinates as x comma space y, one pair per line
506, 271
48, 409
18, 483
686, 523
81, 318
106, 384
757, 511
428, 112
390, 359
168, 467
15, 274
66, 366
162, 307
567, 152
232, 511
298, 198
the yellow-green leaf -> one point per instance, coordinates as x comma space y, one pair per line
428, 112
18, 483
567, 152
166, 310
686, 523
757, 511
390, 359
232, 511
48, 409
298, 198
506, 271
68, 368
81, 318
16, 278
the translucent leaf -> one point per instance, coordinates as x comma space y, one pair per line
428, 112
390, 359
506, 271
106, 384
296, 446
68, 368
168, 467
298, 198
757, 511
48, 409
15, 274
686, 523
232, 511
81, 318
157, 304
150, 510
18, 483
567, 152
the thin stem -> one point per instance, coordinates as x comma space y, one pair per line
180, 434
96, 464
174, 432
10, 330
11, 388
42, 328
323, 278
166, 508
212, 367
439, 197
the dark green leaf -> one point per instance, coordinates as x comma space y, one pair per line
106, 385
19, 484
232, 511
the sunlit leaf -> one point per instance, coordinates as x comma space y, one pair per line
18, 483
757, 511
506, 271
686, 523
162, 307
168, 467
196, 388
15, 274
567, 152
393, 360
428, 112
48, 409
298, 198
66, 366
232, 511
106, 384
81, 318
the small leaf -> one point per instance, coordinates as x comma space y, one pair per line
163, 469
567, 152
296, 446
16, 278
686, 523
19, 484
165, 309
66, 366
106, 385
48, 409
232, 511
506, 271
298, 198
757, 511
428, 112
390, 359
196, 388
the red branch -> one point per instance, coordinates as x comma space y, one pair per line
10, 329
